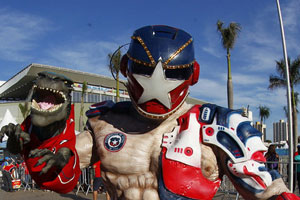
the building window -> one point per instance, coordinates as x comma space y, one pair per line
76, 96
107, 97
93, 98
124, 99
88, 97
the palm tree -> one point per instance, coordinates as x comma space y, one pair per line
114, 67
83, 91
229, 36
264, 113
286, 112
277, 81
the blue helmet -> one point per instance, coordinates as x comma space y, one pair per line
159, 65
162, 42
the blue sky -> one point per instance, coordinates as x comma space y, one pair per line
79, 35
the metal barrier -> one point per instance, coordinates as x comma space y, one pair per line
26, 181
85, 181
226, 189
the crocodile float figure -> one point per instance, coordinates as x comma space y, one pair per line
46, 139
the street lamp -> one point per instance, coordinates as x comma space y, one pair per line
288, 87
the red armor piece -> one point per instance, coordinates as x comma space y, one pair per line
182, 178
62, 181
287, 196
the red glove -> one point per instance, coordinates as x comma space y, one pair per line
287, 196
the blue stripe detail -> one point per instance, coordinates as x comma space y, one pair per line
230, 144
246, 131
101, 108
207, 118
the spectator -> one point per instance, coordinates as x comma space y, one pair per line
272, 158
297, 168
98, 182
5, 162
8, 172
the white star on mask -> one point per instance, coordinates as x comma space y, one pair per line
157, 86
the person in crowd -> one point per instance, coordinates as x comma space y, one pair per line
5, 162
297, 168
272, 158
98, 185
8, 171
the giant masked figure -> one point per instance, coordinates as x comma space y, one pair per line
159, 147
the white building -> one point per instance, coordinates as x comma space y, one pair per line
262, 128
280, 131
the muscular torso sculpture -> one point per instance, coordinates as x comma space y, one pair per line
137, 161
131, 165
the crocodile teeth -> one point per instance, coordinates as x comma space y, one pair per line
35, 104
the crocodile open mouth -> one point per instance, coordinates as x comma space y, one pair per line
47, 99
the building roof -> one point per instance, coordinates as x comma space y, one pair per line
17, 87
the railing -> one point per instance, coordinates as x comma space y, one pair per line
226, 189
84, 183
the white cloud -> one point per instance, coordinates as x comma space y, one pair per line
291, 15
213, 45
247, 79
18, 34
210, 90
89, 56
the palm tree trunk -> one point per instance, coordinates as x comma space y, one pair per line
117, 87
81, 115
229, 82
81, 123
295, 129
295, 118
261, 129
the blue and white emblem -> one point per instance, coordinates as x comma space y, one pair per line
114, 141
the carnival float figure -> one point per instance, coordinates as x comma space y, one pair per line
159, 147
46, 139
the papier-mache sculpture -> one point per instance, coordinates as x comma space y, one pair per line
46, 139
157, 146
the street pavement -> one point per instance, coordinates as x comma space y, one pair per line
48, 195
38, 194
43, 195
